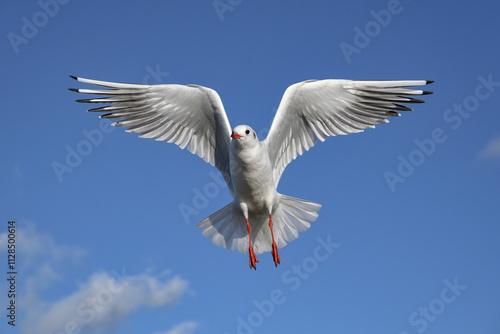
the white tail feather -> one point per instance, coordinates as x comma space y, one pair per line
227, 227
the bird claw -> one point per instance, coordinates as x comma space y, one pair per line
276, 256
253, 258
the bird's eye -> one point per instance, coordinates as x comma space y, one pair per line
247, 132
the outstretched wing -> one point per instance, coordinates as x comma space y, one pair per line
315, 109
190, 116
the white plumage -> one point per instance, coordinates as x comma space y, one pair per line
193, 117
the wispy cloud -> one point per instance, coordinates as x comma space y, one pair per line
42, 258
105, 299
98, 303
17, 172
492, 150
186, 327
41, 248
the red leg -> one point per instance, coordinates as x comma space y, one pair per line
276, 256
251, 253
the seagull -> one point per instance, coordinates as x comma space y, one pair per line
193, 117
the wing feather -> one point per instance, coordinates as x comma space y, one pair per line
190, 116
315, 109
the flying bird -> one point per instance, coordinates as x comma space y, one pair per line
259, 219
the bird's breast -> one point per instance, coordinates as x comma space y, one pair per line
251, 174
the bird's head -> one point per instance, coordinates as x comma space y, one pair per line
244, 135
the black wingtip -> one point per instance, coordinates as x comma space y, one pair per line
73, 77
427, 92
74, 90
400, 107
427, 82
416, 101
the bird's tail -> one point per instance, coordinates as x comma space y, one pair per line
227, 227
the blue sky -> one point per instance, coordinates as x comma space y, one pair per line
407, 238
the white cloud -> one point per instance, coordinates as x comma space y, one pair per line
40, 247
97, 304
107, 298
492, 150
41, 256
183, 328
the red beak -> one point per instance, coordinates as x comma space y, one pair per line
235, 135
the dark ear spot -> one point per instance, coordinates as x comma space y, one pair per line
254, 135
